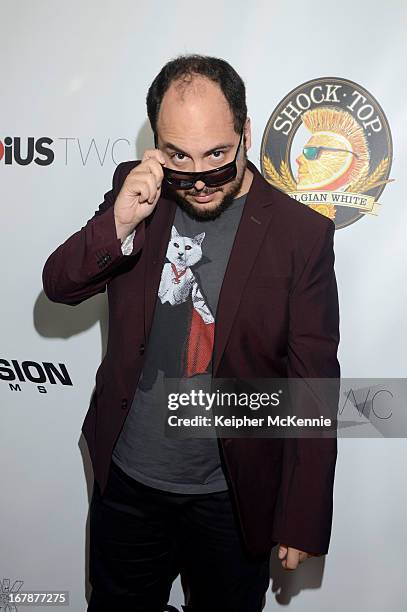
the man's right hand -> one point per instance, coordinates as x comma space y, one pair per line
139, 193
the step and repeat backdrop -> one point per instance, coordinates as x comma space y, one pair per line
75, 76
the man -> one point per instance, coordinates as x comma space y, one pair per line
210, 272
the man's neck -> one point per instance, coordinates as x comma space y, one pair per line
246, 184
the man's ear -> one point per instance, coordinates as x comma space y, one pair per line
248, 133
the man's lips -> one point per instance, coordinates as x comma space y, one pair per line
208, 197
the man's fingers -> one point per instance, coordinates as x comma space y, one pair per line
151, 166
152, 187
292, 559
142, 190
156, 171
282, 551
145, 185
155, 154
150, 173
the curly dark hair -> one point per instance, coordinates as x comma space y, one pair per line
184, 67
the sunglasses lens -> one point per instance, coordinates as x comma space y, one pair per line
213, 179
310, 152
182, 183
178, 181
220, 177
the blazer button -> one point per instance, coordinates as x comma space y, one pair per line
141, 349
124, 404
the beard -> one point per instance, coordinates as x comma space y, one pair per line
195, 212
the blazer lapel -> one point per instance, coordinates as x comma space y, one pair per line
256, 216
156, 244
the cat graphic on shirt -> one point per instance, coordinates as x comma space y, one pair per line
178, 282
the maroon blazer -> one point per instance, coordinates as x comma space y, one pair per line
277, 316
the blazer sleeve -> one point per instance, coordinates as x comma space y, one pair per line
305, 505
83, 265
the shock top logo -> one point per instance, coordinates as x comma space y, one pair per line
328, 145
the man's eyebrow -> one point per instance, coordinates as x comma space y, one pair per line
169, 145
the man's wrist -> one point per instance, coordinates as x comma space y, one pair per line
123, 231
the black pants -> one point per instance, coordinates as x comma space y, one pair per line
141, 539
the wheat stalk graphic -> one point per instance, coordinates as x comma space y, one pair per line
367, 181
284, 180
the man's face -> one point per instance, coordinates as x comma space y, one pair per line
196, 133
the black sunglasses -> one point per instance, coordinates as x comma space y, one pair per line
178, 179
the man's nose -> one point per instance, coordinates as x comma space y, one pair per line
199, 185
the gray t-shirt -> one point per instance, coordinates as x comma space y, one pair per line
180, 347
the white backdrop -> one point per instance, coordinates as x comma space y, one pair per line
80, 71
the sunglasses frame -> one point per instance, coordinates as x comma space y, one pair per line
191, 178
321, 148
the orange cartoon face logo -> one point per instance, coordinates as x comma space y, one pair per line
336, 153
344, 163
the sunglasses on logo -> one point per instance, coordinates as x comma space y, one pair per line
314, 152
178, 179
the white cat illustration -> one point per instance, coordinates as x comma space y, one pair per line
178, 282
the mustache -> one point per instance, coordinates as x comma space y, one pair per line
203, 192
